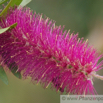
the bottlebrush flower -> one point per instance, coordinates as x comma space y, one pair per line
48, 54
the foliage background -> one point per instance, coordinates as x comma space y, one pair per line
83, 16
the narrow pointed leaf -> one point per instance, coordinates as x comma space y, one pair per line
10, 4
3, 1
15, 2
17, 74
24, 3
13, 68
2, 30
3, 75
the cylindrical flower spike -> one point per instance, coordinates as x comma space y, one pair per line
47, 54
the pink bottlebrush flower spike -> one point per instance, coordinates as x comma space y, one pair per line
47, 54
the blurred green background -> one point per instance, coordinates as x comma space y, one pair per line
82, 16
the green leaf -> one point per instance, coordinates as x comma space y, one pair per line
13, 68
17, 74
10, 4
15, 2
24, 3
3, 75
3, 1
2, 30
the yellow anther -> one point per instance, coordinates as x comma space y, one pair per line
87, 40
72, 46
41, 35
78, 40
47, 85
56, 37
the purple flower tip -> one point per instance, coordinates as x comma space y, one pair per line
48, 54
